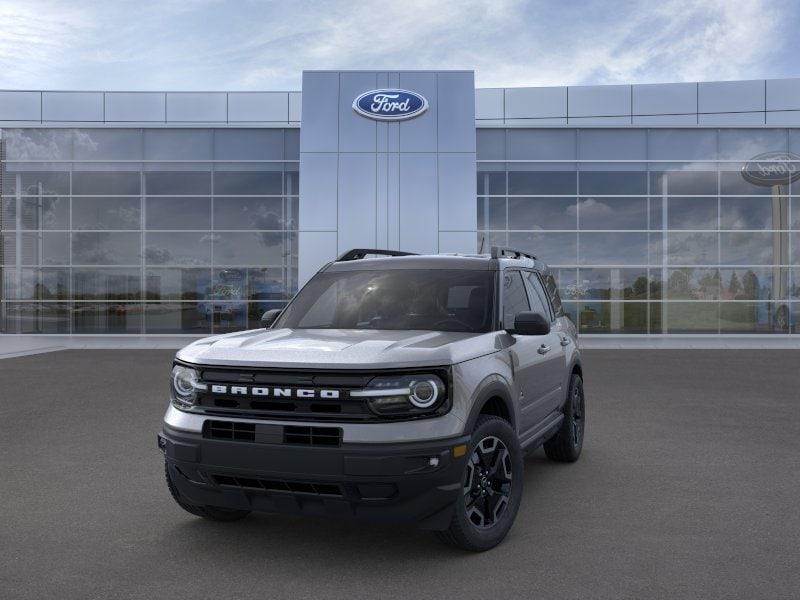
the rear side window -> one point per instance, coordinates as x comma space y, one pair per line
555, 298
537, 296
515, 298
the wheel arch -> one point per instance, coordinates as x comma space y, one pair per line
493, 399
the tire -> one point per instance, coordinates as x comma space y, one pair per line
566, 445
213, 513
494, 444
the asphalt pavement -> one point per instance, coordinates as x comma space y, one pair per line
687, 488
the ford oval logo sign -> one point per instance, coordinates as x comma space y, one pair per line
772, 168
390, 105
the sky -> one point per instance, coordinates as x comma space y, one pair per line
265, 45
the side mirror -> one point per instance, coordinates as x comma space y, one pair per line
530, 323
268, 318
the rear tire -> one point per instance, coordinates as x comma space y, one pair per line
566, 445
492, 488
213, 513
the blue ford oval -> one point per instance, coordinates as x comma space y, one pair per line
390, 105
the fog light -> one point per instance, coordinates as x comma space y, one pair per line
433, 461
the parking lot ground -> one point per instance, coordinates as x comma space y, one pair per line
688, 488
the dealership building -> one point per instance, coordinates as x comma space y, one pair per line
664, 209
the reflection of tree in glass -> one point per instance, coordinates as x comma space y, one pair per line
639, 288
734, 287
750, 286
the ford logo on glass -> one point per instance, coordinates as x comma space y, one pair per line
390, 105
772, 168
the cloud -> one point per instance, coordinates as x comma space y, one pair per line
215, 44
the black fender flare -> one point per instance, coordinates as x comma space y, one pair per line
492, 388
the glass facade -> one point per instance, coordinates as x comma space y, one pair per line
652, 230
146, 230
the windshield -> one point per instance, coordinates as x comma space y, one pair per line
438, 300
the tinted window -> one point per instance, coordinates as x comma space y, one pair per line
537, 296
438, 300
555, 298
515, 299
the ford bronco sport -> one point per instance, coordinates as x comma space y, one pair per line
398, 388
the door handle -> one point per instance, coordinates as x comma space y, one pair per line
565, 341
543, 349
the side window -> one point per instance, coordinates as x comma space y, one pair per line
555, 297
536, 293
515, 299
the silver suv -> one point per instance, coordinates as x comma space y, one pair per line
402, 388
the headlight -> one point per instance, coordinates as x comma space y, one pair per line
405, 395
185, 385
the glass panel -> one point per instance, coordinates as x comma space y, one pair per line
753, 213
106, 248
267, 284
571, 311
755, 284
750, 248
515, 298
291, 144
248, 182
690, 317
177, 284
753, 317
682, 144
249, 213
34, 317
542, 213
612, 284
255, 311
746, 143
541, 144
566, 282
656, 284
107, 284
106, 317
180, 212
41, 284
612, 144
612, 213
45, 212
291, 179
795, 218
683, 182
248, 144
692, 248
732, 182
183, 183
106, 213
627, 183
693, 284
692, 213
250, 248
177, 144
38, 144
492, 213
794, 284
229, 284
552, 248
794, 308
491, 144
227, 316
108, 144
613, 248
491, 183
542, 183
613, 317
45, 183
8, 213
178, 248
45, 249
177, 317
117, 183
655, 318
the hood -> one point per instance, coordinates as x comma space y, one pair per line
339, 348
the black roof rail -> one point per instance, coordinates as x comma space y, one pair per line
359, 253
501, 251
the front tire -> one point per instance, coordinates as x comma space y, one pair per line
566, 445
213, 513
492, 488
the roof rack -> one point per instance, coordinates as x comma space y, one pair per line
502, 251
359, 253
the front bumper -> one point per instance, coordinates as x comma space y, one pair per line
394, 482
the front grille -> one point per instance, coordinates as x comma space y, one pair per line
230, 430
277, 485
312, 436
264, 433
